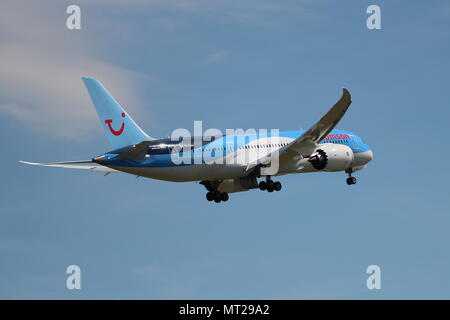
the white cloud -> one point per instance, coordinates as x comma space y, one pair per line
41, 63
216, 56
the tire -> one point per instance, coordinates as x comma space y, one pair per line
262, 185
210, 196
217, 197
269, 184
277, 186
349, 181
224, 196
353, 180
270, 188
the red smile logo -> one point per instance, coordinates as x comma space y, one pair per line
114, 132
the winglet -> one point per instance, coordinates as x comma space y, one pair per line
346, 95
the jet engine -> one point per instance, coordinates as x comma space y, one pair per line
331, 157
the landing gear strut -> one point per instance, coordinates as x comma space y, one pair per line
350, 180
269, 185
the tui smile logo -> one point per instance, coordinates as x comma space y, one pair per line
114, 132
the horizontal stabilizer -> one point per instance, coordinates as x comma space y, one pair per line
72, 165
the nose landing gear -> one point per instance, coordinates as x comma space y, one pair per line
350, 180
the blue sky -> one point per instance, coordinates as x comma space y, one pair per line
231, 64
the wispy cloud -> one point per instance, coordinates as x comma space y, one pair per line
216, 56
41, 63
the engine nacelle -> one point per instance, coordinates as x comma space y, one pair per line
331, 157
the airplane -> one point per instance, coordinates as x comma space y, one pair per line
228, 163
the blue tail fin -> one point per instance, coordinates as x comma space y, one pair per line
120, 128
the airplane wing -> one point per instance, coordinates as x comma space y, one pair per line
73, 165
307, 142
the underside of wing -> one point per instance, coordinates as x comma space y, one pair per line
83, 164
307, 142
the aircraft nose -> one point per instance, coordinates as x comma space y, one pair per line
368, 156
362, 158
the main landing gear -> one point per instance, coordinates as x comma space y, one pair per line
217, 196
213, 194
350, 180
269, 185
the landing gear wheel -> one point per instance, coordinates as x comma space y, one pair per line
270, 188
217, 197
262, 185
210, 196
224, 196
277, 186
350, 179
